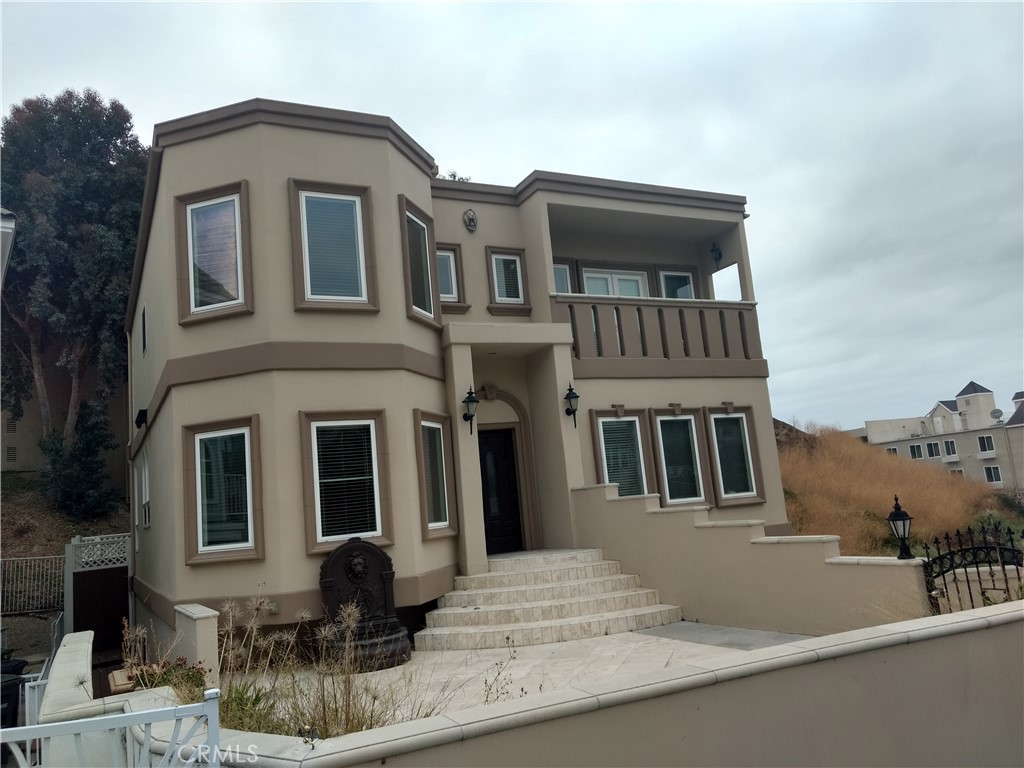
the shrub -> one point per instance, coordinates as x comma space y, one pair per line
75, 477
151, 666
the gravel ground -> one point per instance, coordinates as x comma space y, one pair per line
28, 636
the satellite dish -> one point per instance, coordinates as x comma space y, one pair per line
996, 414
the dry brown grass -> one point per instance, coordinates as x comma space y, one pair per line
836, 484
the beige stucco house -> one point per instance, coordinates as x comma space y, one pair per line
311, 306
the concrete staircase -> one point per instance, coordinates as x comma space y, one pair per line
542, 596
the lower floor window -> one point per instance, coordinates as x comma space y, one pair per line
435, 484
345, 479
680, 464
732, 449
621, 455
224, 490
992, 475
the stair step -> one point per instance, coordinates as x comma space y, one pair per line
526, 561
537, 592
539, 632
534, 576
543, 610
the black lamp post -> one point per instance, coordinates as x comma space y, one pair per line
572, 403
899, 522
471, 403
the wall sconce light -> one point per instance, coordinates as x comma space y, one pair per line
899, 522
572, 403
471, 403
716, 254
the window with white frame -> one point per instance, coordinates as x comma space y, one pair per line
679, 458
223, 490
606, 282
419, 265
332, 246
950, 447
892, 450
622, 458
142, 489
933, 450
916, 452
447, 276
957, 472
676, 285
985, 444
563, 280
508, 278
214, 253
993, 475
435, 482
345, 479
734, 465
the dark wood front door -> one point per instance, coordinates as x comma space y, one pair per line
502, 525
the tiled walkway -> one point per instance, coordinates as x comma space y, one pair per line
459, 679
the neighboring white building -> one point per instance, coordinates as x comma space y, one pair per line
969, 435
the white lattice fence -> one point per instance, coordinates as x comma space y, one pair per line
31, 584
89, 553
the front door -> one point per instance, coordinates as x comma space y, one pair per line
502, 525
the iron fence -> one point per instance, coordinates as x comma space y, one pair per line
980, 566
31, 584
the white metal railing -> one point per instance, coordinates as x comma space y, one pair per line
129, 741
32, 584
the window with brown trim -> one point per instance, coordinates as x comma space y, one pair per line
733, 447
438, 514
214, 257
223, 491
451, 286
506, 278
622, 450
420, 264
344, 478
681, 453
333, 264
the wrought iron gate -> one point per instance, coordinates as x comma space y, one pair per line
980, 566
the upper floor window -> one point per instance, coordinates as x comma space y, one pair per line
563, 280
985, 444
420, 263
332, 254
507, 272
447, 279
950, 446
676, 285
892, 450
605, 282
214, 262
992, 475
933, 450
915, 451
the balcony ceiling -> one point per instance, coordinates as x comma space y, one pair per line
566, 220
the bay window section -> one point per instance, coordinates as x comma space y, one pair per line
420, 264
345, 493
436, 475
332, 247
214, 268
223, 499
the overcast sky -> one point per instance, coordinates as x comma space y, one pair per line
880, 146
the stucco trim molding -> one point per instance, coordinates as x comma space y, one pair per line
290, 356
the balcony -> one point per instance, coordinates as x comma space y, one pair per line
950, 458
625, 337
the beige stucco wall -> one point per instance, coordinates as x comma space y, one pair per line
731, 573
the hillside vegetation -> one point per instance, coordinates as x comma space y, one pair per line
835, 484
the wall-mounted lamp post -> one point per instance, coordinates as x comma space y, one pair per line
471, 403
572, 403
716, 254
899, 522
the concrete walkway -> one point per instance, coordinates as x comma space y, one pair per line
455, 680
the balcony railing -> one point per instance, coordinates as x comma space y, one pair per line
622, 337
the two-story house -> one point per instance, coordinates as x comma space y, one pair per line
313, 313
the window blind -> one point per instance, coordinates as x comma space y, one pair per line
507, 276
621, 446
733, 455
214, 253
333, 254
680, 457
346, 480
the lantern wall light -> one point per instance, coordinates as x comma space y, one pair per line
471, 403
899, 523
572, 403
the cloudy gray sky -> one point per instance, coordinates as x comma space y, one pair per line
880, 146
